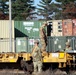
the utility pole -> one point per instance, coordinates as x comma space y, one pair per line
10, 27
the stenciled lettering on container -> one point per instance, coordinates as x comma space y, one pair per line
29, 26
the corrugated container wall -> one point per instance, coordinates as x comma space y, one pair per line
28, 28
67, 27
74, 27
5, 36
25, 44
21, 44
31, 43
4, 29
56, 28
72, 40
4, 45
56, 43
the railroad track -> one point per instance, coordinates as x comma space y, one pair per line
11, 72
47, 72
5, 70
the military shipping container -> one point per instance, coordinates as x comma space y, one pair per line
4, 45
67, 27
27, 28
5, 29
72, 40
74, 27
54, 28
21, 44
56, 43
57, 28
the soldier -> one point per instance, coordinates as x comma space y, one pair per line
37, 57
43, 37
68, 47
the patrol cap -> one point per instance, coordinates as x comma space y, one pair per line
67, 43
36, 41
45, 23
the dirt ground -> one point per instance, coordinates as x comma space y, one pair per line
47, 72
11, 72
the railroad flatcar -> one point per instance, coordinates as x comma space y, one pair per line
54, 57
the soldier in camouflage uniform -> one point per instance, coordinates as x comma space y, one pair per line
68, 46
43, 37
37, 57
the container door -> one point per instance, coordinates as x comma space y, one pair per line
56, 43
72, 40
21, 45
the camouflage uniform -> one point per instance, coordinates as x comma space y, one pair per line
43, 38
68, 46
37, 57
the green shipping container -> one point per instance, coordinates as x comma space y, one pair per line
72, 40
31, 43
28, 28
56, 43
19, 29
21, 44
